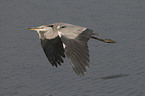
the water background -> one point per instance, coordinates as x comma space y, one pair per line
115, 69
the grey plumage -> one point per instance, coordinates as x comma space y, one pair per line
59, 39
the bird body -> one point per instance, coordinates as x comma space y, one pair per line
60, 39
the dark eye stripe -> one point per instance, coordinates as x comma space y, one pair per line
63, 26
50, 25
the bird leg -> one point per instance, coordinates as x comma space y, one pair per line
103, 40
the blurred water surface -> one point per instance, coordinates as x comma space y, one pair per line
115, 69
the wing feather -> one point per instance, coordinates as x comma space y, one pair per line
77, 51
54, 51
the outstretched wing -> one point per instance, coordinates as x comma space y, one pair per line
77, 50
54, 50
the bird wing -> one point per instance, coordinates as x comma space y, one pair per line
77, 50
53, 48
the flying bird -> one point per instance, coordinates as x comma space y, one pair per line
60, 39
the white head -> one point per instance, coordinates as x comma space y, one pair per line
44, 31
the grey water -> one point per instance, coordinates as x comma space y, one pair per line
115, 69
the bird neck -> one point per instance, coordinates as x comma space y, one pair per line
41, 34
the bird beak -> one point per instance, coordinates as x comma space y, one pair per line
32, 28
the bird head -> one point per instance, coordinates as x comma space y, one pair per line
44, 31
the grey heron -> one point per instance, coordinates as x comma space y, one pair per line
60, 39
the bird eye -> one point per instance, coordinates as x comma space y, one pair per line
50, 25
63, 26
42, 28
